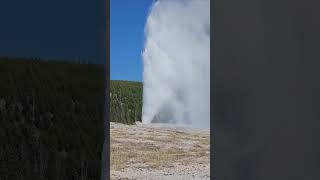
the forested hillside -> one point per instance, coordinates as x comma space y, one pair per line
125, 101
51, 120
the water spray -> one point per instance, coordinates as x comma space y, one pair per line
176, 62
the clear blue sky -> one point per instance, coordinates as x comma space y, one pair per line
127, 21
57, 29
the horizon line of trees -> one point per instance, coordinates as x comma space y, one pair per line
51, 120
125, 101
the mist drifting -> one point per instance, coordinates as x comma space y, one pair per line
176, 62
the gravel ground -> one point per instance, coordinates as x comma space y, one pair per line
158, 151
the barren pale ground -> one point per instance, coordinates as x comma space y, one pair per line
159, 152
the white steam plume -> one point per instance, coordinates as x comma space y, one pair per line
176, 63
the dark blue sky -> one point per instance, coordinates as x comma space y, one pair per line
127, 21
59, 29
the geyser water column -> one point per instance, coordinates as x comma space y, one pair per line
176, 59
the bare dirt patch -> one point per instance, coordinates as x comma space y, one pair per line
159, 152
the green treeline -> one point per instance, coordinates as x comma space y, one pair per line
51, 120
125, 101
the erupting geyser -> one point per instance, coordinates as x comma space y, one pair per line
176, 63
